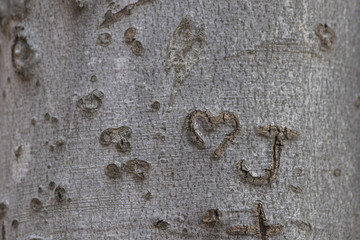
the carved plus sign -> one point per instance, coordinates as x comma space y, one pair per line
262, 230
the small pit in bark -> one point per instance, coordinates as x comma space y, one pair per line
155, 106
104, 39
112, 171
60, 194
18, 151
213, 217
51, 185
137, 48
15, 223
162, 224
129, 35
47, 116
35, 204
337, 172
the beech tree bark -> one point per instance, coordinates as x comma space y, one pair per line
163, 119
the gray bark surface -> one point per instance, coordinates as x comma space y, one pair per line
68, 73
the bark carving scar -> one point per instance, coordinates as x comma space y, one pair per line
91, 102
186, 45
118, 136
279, 134
211, 123
138, 167
23, 57
262, 230
111, 18
326, 36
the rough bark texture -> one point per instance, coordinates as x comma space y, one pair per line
70, 70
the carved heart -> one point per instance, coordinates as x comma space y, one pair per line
211, 123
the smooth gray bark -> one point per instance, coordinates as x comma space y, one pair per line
293, 64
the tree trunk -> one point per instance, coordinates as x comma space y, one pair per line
179, 119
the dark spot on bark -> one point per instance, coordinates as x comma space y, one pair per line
137, 167
59, 142
162, 224
4, 94
326, 36
118, 136
155, 106
213, 217
112, 171
137, 48
33, 121
304, 226
19, 28
15, 223
40, 190
91, 102
18, 151
93, 78
357, 102
104, 39
147, 196
47, 116
184, 231
295, 189
337, 172
3, 210
299, 172
54, 120
60, 194
159, 136
51, 148
9, 80
51, 185
129, 35
37, 83
21, 57
35, 204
